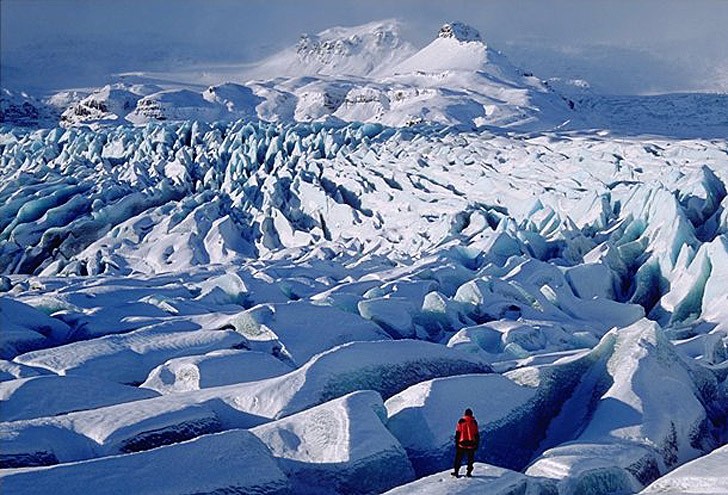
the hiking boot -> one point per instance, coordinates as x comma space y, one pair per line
469, 475
455, 473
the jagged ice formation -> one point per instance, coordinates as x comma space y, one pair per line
328, 295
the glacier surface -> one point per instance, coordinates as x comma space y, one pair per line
296, 285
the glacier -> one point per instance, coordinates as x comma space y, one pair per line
297, 285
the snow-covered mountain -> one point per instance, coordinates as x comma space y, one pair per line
107, 105
369, 73
296, 284
355, 51
24, 110
361, 74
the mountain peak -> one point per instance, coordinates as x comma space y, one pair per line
460, 31
333, 44
355, 50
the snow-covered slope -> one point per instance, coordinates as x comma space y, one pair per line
705, 475
365, 73
231, 462
489, 479
334, 446
262, 288
621, 427
369, 73
24, 110
340, 51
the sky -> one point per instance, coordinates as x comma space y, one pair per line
618, 46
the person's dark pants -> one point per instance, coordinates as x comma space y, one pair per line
459, 454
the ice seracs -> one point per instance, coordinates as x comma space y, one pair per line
318, 273
625, 439
421, 417
51, 395
223, 367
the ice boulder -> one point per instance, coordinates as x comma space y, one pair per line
51, 395
225, 288
24, 328
213, 369
129, 358
341, 446
438, 315
592, 280
15, 340
423, 417
387, 367
715, 291
597, 469
393, 314
229, 462
298, 330
489, 479
665, 223
478, 339
707, 475
700, 193
612, 433
128, 427
384, 366
539, 291
10, 370
508, 339
685, 300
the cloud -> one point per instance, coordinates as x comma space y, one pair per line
618, 45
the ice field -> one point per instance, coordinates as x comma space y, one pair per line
262, 300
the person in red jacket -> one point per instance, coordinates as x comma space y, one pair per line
467, 439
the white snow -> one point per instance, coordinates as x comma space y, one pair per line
232, 462
130, 357
634, 427
334, 446
213, 369
25, 328
705, 475
27, 398
343, 254
486, 479
350, 51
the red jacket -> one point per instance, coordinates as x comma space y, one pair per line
467, 435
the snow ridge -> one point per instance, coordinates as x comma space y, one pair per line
314, 275
369, 73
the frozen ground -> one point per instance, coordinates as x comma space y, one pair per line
308, 305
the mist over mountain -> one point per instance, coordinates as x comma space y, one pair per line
370, 73
235, 259
653, 46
